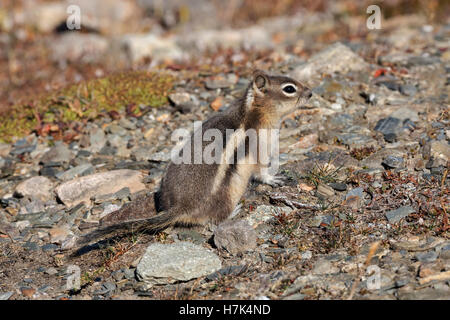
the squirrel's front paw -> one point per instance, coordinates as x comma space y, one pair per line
274, 180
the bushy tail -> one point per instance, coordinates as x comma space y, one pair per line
151, 225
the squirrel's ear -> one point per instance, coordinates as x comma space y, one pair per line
260, 81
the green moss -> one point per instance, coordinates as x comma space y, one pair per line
87, 100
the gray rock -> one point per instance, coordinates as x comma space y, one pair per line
136, 47
107, 288
45, 17
31, 246
31, 205
295, 296
38, 187
82, 189
408, 90
354, 139
160, 156
97, 139
429, 256
306, 255
75, 46
354, 198
115, 129
440, 150
405, 113
51, 271
191, 235
25, 145
59, 153
388, 125
235, 236
142, 154
393, 162
179, 98
227, 271
6, 295
181, 261
335, 58
127, 124
130, 273
219, 83
425, 294
81, 170
252, 37
323, 191
323, 266
396, 215
59, 234
5, 149
445, 252
264, 213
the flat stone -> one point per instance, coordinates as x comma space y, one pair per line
191, 235
264, 213
227, 271
106, 288
429, 256
323, 191
32, 246
59, 153
335, 58
393, 162
388, 125
24, 145
80, 170
6, 295
97, 139
354, 198
323, 266
136, 47
425, 294
49, 172
75, 46
251, 37
404, 113
82, 189
115, 129
396, 215
354, 139
235, 236
445, 252
440, 149
31, 205
45, 17
218, 83
59, 234
179, 98
408, 90
5, 149
180, 261
38, 187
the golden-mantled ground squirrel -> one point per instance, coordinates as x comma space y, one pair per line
200, 193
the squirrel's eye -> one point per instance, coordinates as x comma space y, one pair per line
289, 89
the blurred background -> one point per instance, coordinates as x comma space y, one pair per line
38, 53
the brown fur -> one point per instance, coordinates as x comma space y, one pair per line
196, 194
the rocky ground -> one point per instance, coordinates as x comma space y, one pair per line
362, 216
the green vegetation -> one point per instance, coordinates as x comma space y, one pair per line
87, 100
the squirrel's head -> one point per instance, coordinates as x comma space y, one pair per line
280, 95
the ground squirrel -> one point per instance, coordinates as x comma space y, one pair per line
197, 194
